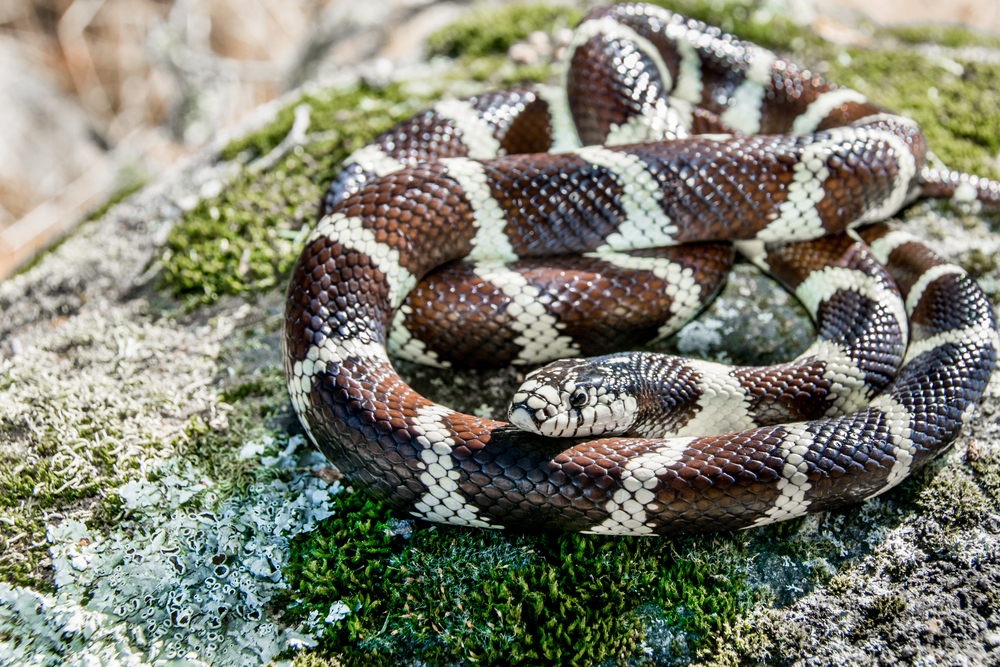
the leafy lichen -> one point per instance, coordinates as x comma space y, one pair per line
185, 575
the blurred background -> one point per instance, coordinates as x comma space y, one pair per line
99, 96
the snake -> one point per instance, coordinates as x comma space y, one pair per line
665, 132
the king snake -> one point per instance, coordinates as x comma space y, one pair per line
665, 132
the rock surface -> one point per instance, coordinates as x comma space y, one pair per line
145, 436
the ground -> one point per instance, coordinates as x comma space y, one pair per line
158, 500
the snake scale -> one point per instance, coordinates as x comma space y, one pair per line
665, 132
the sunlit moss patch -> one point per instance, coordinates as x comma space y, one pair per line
492, 31
957, 106
951, 36
444, 594
244, 240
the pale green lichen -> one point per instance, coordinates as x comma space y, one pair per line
43, 630
83, 407
184, 575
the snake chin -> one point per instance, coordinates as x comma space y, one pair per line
522, 417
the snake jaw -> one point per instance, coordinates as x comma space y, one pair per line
523, 418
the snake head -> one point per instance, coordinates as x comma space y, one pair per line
575, 398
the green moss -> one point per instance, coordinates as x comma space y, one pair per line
986, 468
260, 400
945, 35
493, 30
960, 115
34, 484
497, 71
244, 241
839, 584
750, 641
748, 20
356, 114
881, 610
265, 385
482, 597
978, 263
780, 532
954, 500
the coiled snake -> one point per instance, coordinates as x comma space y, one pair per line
666, 132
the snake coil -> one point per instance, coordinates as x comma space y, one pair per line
665, 132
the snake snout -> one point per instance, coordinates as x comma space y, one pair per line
530, 410
544, 403
522, 417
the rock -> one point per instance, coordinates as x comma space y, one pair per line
117, 399
523, 54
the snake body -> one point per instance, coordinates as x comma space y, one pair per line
863, 330
636, 73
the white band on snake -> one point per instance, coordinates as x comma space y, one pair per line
736, 144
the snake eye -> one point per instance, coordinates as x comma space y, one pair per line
579, 398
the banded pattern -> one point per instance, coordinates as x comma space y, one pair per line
390, 219
496, 313
862, 339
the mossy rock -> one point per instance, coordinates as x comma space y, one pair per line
146, 369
